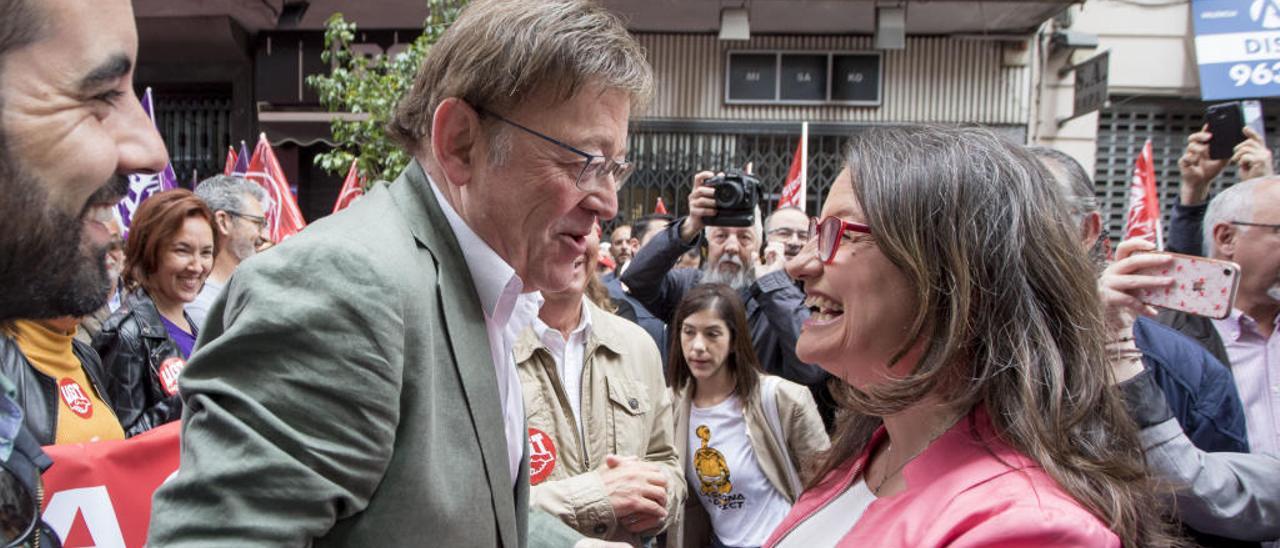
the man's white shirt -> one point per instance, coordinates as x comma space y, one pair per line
507, 312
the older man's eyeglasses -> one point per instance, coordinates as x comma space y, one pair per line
596, 169
789, 233
827, 233
255, 219
1274, 227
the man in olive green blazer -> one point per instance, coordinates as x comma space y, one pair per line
348, 388
344, 390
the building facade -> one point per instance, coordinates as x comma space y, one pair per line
222, 71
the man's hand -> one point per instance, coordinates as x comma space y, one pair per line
637, 491
774, 257
1118, 285
1253, 157
1197, 169
702, 203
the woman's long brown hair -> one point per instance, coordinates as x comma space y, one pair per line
1008, 310
741, 361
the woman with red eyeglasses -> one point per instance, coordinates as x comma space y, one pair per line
950, 297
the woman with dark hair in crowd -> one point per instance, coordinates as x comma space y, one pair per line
949, 294
743, 437
145, 343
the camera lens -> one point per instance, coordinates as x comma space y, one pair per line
728, 195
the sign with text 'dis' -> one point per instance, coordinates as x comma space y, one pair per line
1237, 48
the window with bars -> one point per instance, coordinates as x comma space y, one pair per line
1125, 126
197, 131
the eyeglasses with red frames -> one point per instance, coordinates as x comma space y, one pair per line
828, 231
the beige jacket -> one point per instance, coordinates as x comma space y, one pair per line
627, 411
801, 427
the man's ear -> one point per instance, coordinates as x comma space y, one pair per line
1091, 228
223, 220
1225, 238
455, 134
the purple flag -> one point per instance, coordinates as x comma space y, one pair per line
142, 186
242, 162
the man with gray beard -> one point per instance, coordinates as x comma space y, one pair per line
775, 305
239, 213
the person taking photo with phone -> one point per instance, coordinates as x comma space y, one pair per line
1197, 172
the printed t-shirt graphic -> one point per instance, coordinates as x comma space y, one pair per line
724, 473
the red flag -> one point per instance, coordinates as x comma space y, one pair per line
1144, 201
794, 191
352, 188
660, 209
100, 493
284, 219
230, 165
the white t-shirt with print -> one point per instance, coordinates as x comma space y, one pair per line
727, 479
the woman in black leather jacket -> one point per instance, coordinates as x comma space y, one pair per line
145, 344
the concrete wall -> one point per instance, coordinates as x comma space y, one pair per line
1152, 53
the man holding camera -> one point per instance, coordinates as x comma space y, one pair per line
775, 306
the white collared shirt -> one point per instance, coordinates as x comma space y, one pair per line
1255, 367
507, 312
570, 359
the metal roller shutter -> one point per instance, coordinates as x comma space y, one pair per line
1126, 124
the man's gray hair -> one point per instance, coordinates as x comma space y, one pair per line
501, 52
1233, 204
1076, 184
226, 192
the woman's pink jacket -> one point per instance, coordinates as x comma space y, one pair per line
966, 489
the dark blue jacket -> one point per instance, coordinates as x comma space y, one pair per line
1200, 390
631, 309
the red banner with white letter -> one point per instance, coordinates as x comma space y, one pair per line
99, 494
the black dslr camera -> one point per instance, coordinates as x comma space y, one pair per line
736, 196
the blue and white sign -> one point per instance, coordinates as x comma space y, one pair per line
1237, 48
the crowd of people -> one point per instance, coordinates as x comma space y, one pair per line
944, 356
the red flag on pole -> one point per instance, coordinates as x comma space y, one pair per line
660, 208
284, 219
230, 165
352, 188
1143, 220
794, 191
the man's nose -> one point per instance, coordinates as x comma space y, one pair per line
139, 146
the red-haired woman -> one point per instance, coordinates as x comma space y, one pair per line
145, 343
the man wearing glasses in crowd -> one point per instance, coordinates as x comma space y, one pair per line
356, 385
785, 230
238, 212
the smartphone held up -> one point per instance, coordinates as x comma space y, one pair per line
1227, 121
1204, 287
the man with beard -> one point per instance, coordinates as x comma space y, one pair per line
775, 306
238, 213
70, 127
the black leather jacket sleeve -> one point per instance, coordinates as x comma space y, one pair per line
133, 387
